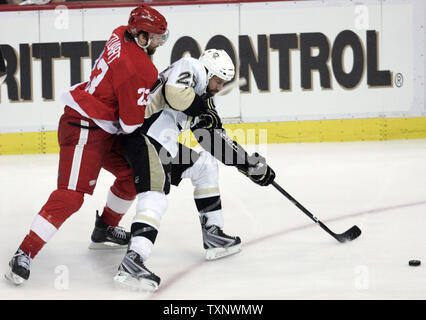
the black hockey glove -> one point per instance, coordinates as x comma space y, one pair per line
257, 170
209, 119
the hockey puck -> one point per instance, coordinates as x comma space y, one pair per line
414, 263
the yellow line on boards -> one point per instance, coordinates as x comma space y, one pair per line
255, 133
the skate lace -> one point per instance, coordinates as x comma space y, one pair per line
219, 232
223, 234
22, 259
118, 232
135, 257
143, 264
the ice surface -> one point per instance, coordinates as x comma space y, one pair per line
378, 186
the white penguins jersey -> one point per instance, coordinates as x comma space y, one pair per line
173, 93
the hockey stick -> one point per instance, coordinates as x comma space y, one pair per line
348, 235
238, 151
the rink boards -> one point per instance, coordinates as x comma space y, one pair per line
315, 70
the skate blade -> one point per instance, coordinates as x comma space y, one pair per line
217, 253
124, 279
14, 278
106, 246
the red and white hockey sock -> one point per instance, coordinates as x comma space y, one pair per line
60, 206
32, 244
115, 209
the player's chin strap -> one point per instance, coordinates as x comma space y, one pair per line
145, 46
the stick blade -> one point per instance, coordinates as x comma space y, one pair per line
349, 235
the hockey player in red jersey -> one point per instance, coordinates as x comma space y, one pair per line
112, 102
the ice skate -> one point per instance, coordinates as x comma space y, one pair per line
217, 243
106, 237
133, 273
19, 268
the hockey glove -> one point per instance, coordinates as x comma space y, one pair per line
257, 170
209, 119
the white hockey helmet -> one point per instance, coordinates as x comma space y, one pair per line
218, 63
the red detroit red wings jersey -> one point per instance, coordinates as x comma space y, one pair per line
117, 93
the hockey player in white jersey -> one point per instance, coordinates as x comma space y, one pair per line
183, 98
